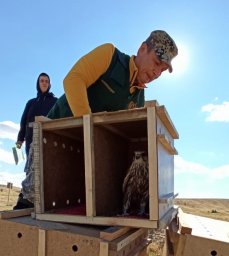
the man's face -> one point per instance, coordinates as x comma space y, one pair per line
44, 83
149, 66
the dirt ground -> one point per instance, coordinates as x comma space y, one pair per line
211, 208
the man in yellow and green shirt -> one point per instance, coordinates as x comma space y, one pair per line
106, 79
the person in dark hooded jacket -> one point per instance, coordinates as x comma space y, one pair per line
38, 106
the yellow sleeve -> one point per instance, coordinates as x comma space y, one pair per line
83, 74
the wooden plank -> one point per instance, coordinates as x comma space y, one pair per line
103, 249
141, 249
165, 118
206, 227
151, 103
63, 123
152, 158
119, 116
42, 119
117, 246
16, 213
89, 166
184, 224
165, 143
199, 246
41, 242
107, 221
181, 245
112, 233
17, 239
38, 167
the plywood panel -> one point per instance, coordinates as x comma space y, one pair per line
70, 244
17, 239
110, 166
63, 171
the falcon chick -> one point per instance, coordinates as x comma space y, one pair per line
136, 185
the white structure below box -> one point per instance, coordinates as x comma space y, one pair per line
85, 172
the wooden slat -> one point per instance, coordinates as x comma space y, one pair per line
165, 118
124, 242
89, 166
16, 213
38, 167
107, 221
112, 233
184, 226
119, 116
152, 158
103, 249
165, 143
64, 123
41, 242
151, 103
42, 119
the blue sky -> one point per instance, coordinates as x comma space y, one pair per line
49, 36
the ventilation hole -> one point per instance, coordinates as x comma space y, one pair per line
44, 140
55, 144
53, 204
79, 200
63, 145
19, 235
67, 202
71, 148
213, 253
78, 150
75, 248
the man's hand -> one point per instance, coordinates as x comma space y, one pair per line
19, 144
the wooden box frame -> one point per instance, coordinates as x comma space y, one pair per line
103, 144
28, 237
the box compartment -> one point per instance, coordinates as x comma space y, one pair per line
114, 147
103, 147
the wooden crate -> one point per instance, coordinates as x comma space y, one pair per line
24, 236
195, 235
80, 164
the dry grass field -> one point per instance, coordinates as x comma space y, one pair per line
8, 197
211, 208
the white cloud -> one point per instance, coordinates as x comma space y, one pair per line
9, 130
15, 178
220, 172
183, 166
6, 157
194, 180
217, 112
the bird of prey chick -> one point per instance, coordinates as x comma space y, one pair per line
136, 185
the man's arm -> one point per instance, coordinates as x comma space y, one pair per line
83, 74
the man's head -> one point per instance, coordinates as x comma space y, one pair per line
155, 55
43, 83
